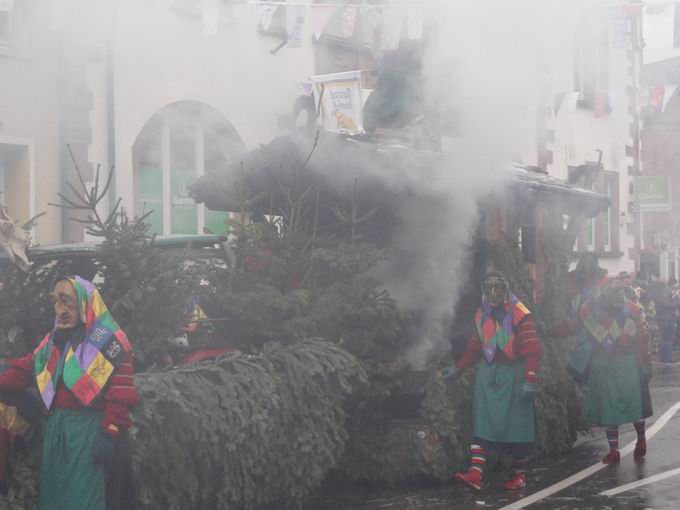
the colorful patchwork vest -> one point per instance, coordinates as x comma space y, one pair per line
610, 331
499, 336
85, 368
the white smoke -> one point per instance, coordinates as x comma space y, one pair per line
490, 64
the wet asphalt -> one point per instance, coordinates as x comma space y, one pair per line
663, 454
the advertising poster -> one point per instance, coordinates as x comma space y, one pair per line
341, 104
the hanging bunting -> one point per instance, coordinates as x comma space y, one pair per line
321, 15
265, 13
633, 10
6, 5
669, 90
572, 101
371, 20
656, 97
393, 21
295, 24
348, 21
370, 16
211, 16
653, 99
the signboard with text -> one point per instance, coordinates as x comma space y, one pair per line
341, 104
652, 193
183, 210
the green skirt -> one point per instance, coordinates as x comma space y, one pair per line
613, 396
500, 413
69, 480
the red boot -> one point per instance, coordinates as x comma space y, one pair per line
519, 481
473, 478
613, 457
640, 450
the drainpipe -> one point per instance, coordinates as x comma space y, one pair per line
110, 108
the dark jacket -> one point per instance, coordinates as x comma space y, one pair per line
666, 306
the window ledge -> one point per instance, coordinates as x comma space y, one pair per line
601, 254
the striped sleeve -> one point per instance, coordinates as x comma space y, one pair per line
530, 347
120, 396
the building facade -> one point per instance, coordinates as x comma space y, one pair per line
30, 140
159, 90
165, 90
592, 130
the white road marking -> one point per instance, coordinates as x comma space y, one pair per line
575, 478
641, 483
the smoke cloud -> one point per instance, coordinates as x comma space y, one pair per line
487, 68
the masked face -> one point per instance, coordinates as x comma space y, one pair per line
65, 304
495, 290
614, 293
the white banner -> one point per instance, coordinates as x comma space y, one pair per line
295, 24
393, 21
321, 15
572, 101
211, 16
265, 13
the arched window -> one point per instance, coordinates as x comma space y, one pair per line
176, 146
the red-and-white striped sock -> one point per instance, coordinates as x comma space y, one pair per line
479, 456
612, 437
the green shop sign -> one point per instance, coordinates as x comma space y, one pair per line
183, 209
150, 193
652, 193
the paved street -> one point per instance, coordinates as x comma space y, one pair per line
662, 457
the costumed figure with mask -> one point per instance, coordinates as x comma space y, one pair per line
507, 351
83, 371
584, 284
620, 366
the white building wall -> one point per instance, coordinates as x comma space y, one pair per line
160, 57
578, 134
29, 115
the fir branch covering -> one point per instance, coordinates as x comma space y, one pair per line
245, 431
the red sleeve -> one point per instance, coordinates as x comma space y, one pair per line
18, 375
120, 396
473, 351
530, 347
